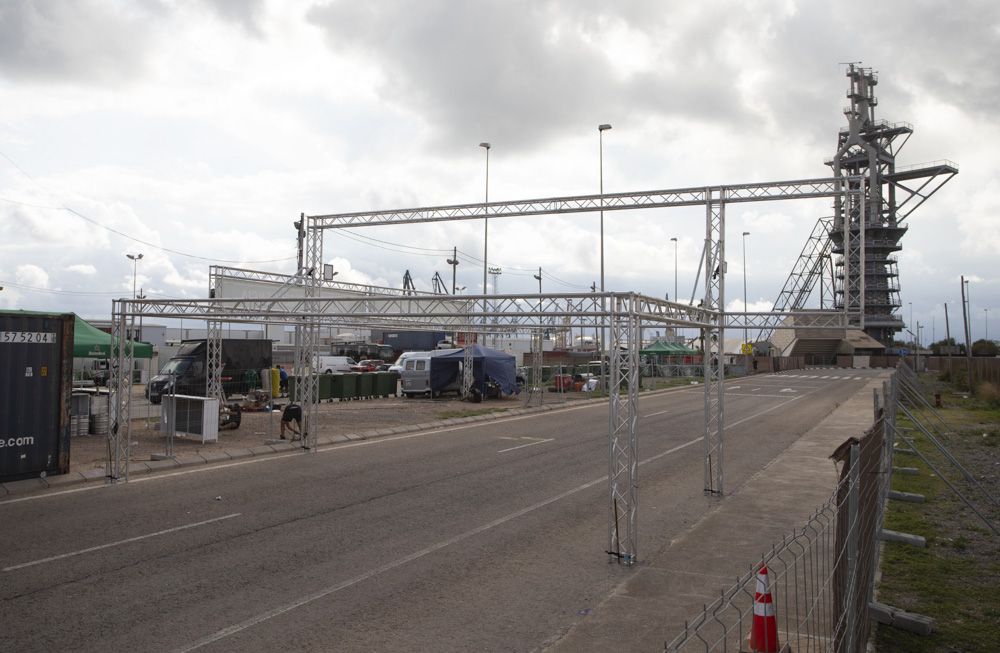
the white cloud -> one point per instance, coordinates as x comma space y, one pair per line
32, 275
82, 268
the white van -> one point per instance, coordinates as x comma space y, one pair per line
333, 364
398, 365
415, 376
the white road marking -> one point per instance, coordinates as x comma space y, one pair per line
662, 412
824, 377
530, 444
326, 591
119, 542
270, 614
786, 390
755, 396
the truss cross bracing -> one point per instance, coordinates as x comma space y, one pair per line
625, 314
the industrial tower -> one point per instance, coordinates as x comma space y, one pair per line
868, 148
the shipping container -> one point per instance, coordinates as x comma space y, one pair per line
402, 341
36, 386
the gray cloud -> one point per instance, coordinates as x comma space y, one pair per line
244, 12
528, 72
76, 40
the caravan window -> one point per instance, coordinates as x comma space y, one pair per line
409, 365
421, 364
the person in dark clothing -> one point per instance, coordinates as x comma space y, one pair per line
283, 380
292, 413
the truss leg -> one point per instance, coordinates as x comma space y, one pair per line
213, 366
307, 340
468, 376
536, 392
623, 462
714, 365
120, 396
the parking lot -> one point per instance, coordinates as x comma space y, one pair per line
335, 418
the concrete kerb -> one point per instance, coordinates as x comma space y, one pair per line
209, 457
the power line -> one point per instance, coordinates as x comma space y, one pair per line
54, 291
63, 207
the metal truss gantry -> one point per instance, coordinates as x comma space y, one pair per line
622, 314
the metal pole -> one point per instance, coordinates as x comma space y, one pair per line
676, 298
947, 326
968, 337
486, 223
453, 262
600, 137
745, 310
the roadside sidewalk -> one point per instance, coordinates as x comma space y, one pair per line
650, 607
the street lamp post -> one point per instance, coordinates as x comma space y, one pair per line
135, 258
745, 234
986, 313
911, 317
600, 137
486, 219
676, 298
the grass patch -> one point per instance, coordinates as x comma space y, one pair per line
956, 579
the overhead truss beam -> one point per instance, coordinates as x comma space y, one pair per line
762, 192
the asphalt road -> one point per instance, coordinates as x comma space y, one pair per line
486, 537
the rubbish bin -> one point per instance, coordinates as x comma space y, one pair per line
385, 383
350, 385
336, 386
366, 383
325, 387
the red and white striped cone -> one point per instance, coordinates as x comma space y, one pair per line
764, 632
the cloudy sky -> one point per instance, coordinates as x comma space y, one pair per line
196, 131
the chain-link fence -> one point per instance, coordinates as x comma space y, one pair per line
821, 578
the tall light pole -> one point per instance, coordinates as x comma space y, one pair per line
486, 219
600, 136
745, 234
986, 312
676, 298
135, 266
911, 317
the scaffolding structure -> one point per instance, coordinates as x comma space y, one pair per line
623, 315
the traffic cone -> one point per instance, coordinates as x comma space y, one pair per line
764, 631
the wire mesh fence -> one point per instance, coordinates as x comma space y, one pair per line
820, 578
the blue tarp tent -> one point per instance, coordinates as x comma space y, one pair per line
499, 368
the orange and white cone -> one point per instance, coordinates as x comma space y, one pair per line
764, 632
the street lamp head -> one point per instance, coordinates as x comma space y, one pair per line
134, 257
673, 240
746, 233
485, 145
603, 127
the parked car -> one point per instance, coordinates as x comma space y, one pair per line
368, 365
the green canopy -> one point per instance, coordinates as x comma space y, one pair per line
660, 348
91, 342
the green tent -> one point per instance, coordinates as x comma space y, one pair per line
660, 348
91, 342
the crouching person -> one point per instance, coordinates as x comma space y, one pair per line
292, 413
